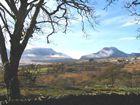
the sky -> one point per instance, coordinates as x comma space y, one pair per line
115, 28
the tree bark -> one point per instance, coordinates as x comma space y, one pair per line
11, 73
11, 80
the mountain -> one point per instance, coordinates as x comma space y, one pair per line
109, 52
43, 55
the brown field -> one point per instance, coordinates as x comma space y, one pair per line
132, 67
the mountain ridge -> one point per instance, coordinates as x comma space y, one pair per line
38, 55
109, 52
43, 54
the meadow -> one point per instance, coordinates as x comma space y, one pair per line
88, 78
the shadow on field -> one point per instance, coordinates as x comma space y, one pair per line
112, 99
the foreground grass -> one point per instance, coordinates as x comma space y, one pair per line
74, 96
97, 91
61, 92
65, 92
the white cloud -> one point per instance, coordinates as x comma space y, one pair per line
127, 38
130, 22
124, 21
75, 54
31, 55
57, 56
101, 13
35, 45
117, 19
118, 40
72, 53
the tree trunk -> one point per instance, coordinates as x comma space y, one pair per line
11, 80
11, 68
11, 73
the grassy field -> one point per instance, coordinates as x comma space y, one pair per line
78, 78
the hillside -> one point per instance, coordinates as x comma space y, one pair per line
42, 55
109, 52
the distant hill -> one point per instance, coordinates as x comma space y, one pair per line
135, 54
109, 52
43, 54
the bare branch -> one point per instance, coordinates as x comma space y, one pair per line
3, 18
53, 29
30, 30
3, 50
82, 9
25, 15
4, 8
12, 6
109, 2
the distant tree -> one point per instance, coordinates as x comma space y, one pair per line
91, 60
111, 73
30, 73
20, 19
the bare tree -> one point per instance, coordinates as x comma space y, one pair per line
30, 74
20, 19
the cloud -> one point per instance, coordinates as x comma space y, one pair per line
112, 20
130, 22
76, 54
127, 38
101, 13
122, 21
118, 40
